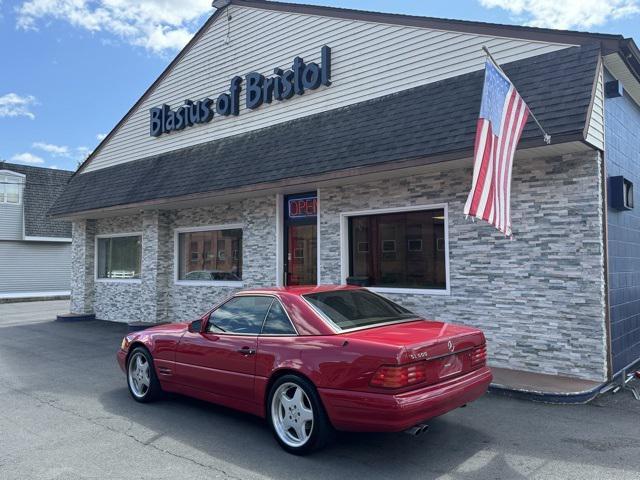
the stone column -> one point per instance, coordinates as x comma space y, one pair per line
156, 265
82, 266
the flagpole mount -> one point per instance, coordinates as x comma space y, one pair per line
545, 135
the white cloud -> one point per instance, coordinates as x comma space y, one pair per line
28, 158
566, 14
55, 150
101, 136
157, 25
62, 151
13, 105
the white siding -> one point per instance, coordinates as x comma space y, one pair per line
34, 267
369, 60
10, 221
595, 131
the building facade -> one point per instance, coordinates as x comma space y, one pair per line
35, 250
290, 144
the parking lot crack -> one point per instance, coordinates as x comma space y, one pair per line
146, 443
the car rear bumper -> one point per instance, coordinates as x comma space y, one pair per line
379, 412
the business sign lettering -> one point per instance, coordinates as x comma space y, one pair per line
258, 90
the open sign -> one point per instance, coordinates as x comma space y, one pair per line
303, 207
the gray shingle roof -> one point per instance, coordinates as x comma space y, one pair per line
42, 187
426, 121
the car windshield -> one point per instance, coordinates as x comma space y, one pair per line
357, 308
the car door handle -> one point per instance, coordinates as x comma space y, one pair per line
247, 351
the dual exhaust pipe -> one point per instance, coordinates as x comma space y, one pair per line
417, 430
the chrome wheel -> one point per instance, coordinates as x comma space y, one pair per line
292, 414
139, 375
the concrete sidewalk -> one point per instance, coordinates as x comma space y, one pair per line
23, 313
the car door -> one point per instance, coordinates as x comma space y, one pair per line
221, 359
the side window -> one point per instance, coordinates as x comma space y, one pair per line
240, 315
277, 322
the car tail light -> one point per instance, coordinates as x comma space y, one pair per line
479, 356
399, 376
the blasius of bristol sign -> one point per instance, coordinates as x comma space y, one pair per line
258, 89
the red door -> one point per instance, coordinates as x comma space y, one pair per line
301, 250
218, 363
222, 358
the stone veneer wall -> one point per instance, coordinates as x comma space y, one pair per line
82, 266
538, 298
258, 218
120, 301
157, 297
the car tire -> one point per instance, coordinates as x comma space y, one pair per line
142, 380
296, 415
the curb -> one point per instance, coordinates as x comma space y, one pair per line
572, 398
137, 326
75, 317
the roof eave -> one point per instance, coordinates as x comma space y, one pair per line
356, 172
630, 55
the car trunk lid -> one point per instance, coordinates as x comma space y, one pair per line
449, 350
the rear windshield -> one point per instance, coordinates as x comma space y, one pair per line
357, 308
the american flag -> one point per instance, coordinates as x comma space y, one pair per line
503, 115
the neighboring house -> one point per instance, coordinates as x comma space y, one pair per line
35, 250
359, 174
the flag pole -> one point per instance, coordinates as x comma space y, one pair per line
546, 136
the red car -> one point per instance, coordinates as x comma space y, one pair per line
313, 359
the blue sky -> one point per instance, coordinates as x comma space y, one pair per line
70, 69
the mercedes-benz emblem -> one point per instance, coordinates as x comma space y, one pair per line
450, 346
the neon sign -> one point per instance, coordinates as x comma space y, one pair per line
303, 207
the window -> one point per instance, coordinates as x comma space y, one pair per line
243, 314
398, 250
119, 258
357, 308
628, 194
10, 188
277, 321
210, 255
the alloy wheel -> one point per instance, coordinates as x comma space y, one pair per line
292, 414
139, 375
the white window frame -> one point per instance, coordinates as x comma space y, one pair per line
116, 280
344, 247
203, 283
19, 176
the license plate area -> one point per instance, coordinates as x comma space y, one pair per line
449, 366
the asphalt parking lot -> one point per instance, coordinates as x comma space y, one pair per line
65, 413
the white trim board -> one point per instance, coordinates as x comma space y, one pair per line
47, 239
344, 247
65, 293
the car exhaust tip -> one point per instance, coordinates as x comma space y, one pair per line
417, 430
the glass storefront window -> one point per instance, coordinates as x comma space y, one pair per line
401, 250
212, 255
120, 258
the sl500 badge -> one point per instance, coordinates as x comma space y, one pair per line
416, 356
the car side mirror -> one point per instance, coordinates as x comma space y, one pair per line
195, 326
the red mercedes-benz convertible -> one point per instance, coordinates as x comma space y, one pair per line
313, 359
